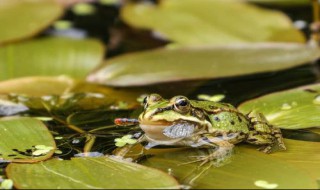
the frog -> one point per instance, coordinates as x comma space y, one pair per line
215, 126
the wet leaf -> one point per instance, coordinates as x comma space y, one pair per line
49, 57
210, 22
246, 168
21, 19
290, 109
19, 136
89, 173
166, 65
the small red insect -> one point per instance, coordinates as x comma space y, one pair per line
126, 121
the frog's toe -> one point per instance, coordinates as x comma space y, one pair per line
266, 149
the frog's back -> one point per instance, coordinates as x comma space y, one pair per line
223, 116
209, 106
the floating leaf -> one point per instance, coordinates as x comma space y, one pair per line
211, 22
6, 184
89, 173
49, 57
290, 109
246, 167
21, 19
166, 65
36, 86
213, 98
19, 136
83, 9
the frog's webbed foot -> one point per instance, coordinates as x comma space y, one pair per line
266, 149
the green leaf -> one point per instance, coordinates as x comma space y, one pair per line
88, 173
286, 169
19, 136
290, 109
21, 19
49, 57
205, 62
212, 22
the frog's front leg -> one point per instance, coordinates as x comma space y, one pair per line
219, 149
263, 133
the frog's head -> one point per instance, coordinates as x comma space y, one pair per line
160, 113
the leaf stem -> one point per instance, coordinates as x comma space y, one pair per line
89, 142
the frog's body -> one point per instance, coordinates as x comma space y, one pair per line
204, 124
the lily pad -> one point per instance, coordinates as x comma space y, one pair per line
204, 62
248, 168
210, 22
290, 109
21, 19
49, 57
19, 138
36, 86
88, 173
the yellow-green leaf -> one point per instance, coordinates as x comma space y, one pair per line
49, 57
21, 19
294, 168
36, 86
19, 136
290, 109
212, 22
88, 173
204, 62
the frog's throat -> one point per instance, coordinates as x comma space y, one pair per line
154, 130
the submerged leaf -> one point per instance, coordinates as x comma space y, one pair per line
20, 19
88, 173
19, 136
212, 22
49, 57
205, 62
290, 109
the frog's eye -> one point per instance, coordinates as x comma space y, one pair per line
145, 102
182, 104
154, 98
151, 99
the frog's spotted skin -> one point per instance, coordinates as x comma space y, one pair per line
204, 124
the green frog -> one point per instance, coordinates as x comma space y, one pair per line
205, 124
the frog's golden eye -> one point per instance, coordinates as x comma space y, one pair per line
151, 99
181, 104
